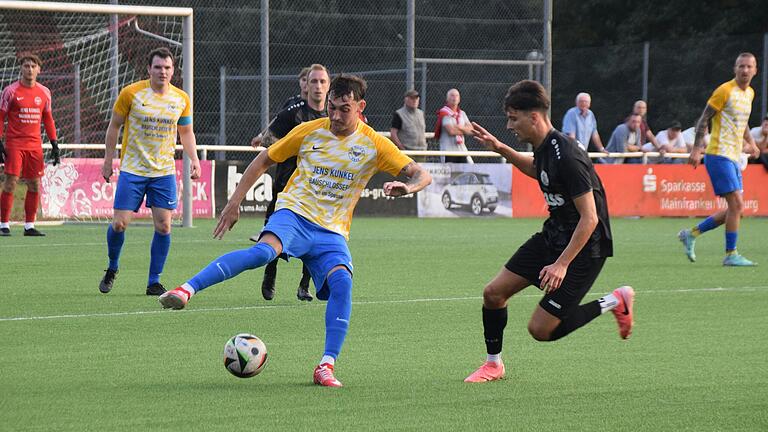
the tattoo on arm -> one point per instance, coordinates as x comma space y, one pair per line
702, 125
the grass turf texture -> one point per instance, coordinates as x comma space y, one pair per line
696, 361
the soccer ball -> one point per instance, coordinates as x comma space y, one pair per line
245, 355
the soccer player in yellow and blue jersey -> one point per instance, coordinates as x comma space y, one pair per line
336, 156
151, 113
728, 108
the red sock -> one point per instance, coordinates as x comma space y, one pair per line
30, 206
6, 205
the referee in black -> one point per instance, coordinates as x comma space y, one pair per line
565, 258
300, 111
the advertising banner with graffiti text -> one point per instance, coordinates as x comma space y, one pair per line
75, 189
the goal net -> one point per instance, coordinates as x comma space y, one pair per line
87, 58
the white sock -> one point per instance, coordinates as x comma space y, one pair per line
189, 288
495, 358
5, 225
29, 225
328, 359
608, 302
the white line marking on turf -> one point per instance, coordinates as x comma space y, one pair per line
104, 243
365, 302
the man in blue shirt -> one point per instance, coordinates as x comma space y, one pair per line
580, 123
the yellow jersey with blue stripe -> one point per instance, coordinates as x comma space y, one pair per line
733, 106
331, 171
149, 132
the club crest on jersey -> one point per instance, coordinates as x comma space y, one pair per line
38, 100
544, 178
356, 153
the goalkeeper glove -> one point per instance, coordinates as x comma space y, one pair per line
2, 153
55, 152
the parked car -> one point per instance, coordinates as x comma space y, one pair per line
471, 189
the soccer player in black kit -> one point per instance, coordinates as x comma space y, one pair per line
565, 258
312, 108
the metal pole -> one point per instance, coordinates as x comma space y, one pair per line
222, 110
765, 76
548, 46
264, 64
646, 56
423, 94
188, 73
410, 53
77, 139
114, 68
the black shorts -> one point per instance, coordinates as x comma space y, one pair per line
534, 254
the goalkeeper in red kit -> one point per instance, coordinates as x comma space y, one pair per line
25, 104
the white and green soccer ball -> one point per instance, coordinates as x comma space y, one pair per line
245, 355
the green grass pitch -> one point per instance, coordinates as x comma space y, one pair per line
72, 359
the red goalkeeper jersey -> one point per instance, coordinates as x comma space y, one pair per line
25, 108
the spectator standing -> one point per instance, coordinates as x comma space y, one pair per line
580, 123
25, 103
646, 134
626, 138
408, 125
452, 124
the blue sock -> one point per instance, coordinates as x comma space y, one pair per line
114, 246
707, 224
232, 264
730, 240
338, 311
158, 252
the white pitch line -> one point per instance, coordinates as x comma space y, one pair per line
369, 302
103, 243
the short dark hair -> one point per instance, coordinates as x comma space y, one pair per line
25, 57
345, 84
161, 52
304, 72
526, 95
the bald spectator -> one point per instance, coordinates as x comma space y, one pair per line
646, 134
580, 123
452, 124
626, 138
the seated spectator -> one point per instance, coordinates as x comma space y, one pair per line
760, 135
625, 138
580, 123
670, 140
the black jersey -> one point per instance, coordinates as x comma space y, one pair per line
286, 120
564, 172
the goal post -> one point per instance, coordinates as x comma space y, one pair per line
82, 37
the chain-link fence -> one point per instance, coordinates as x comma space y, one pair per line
504, 41
679, 77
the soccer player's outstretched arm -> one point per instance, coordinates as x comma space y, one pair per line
418, 179
189, 143
552, 276
522, 162
231, 212
110, 142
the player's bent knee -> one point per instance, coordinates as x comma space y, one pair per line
538, 332
163, 228
119, 225
494, 297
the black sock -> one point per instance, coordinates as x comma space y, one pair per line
305, 276
577, 317
494, 321
270, 270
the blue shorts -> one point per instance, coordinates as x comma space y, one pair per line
320, 249
724, 174
131, 189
